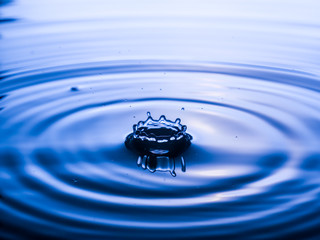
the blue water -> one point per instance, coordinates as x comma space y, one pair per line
243, 76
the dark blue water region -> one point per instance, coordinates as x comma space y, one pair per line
82, 206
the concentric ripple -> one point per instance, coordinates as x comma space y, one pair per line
252, 171
247, 163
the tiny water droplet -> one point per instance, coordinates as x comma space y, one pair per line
182, 108
74, 180
2, 96
74, 89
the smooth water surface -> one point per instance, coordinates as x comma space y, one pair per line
243, 76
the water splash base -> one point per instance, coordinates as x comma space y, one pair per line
158, 142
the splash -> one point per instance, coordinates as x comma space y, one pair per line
158, 142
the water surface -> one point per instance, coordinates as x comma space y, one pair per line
243, 76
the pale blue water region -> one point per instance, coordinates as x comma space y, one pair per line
243, 77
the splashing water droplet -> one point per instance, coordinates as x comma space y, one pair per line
158, 142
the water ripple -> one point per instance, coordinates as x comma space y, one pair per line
244, 166
252, 171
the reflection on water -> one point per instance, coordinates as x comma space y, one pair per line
242, 75
159, 163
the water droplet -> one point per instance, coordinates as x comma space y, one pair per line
74, 180
74, 89
158, 142
2, 97
182, 108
